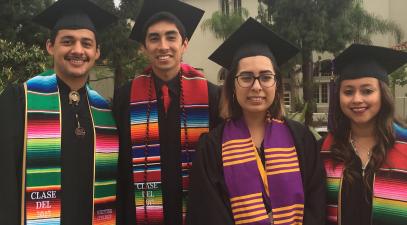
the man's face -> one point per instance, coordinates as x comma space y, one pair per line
74, 52
164, 48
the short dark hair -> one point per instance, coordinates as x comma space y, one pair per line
230, 108
54, 33
164, 16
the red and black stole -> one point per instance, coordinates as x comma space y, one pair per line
146, 141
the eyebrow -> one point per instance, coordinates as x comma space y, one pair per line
171, 32
72, 37
362, 86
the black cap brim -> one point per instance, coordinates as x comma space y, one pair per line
368, 61
52, 15
253, 32
187, 14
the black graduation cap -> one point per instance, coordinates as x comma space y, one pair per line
250, 39
74, 14
187, 14
368, 61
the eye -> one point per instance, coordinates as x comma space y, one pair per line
348, 92
246, 77
367, 91
266, 78
66, 41
87, 44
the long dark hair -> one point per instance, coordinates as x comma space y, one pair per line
384, 134
230, 108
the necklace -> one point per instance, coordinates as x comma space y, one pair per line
74, 98
369, 155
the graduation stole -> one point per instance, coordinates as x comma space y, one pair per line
41, 183
248, 181
146, 141
389, 186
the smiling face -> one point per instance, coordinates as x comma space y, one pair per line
360, 100
74, 53
256, 99
164, 48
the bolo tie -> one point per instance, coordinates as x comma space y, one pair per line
74, 99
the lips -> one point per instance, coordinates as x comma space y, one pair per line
76, 60
358, 109
256, 99
163, 57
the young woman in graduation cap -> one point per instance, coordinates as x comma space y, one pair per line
365, 162
257, 167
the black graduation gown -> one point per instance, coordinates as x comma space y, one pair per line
356, 197
208, 199
76, 158
169, 126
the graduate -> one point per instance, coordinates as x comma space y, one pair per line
59, 143
161, 114
258, 167
365, 154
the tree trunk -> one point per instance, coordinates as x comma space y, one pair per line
307, 85
119, 77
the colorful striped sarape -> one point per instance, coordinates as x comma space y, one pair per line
389, 186
146, 141
42, 155
249, 182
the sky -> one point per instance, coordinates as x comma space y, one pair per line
116, 3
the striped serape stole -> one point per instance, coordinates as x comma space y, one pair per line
196, 117
105, 164
42, 156
146, 156
144, 127
251, 186
334, 173
389, 186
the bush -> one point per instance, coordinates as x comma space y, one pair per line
19, 62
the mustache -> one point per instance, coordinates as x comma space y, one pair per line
76, 57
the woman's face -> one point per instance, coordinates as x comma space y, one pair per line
360, 100
257, 98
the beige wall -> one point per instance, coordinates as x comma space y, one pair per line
203, 43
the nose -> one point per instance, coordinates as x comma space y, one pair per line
256, 85
357, 97
77, 48
163, 44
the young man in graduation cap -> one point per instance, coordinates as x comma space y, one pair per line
59, 143
160, 116
365, 153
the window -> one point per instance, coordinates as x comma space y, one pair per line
287, 98
321, 93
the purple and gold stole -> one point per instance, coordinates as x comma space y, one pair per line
41, 183
146, 142
389, 186
248, 182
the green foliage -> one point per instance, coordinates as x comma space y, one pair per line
365, 24
16, 24
222, 25
20, 62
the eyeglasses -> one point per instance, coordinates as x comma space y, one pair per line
246, 80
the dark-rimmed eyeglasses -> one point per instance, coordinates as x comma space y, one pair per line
246, 80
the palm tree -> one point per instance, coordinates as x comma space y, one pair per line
224, 22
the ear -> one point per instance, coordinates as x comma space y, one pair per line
97, 52
143, 49
50, 47
185, 44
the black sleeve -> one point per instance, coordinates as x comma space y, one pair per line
11, 148
214, 96
207, 200
125, 190
315, 187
